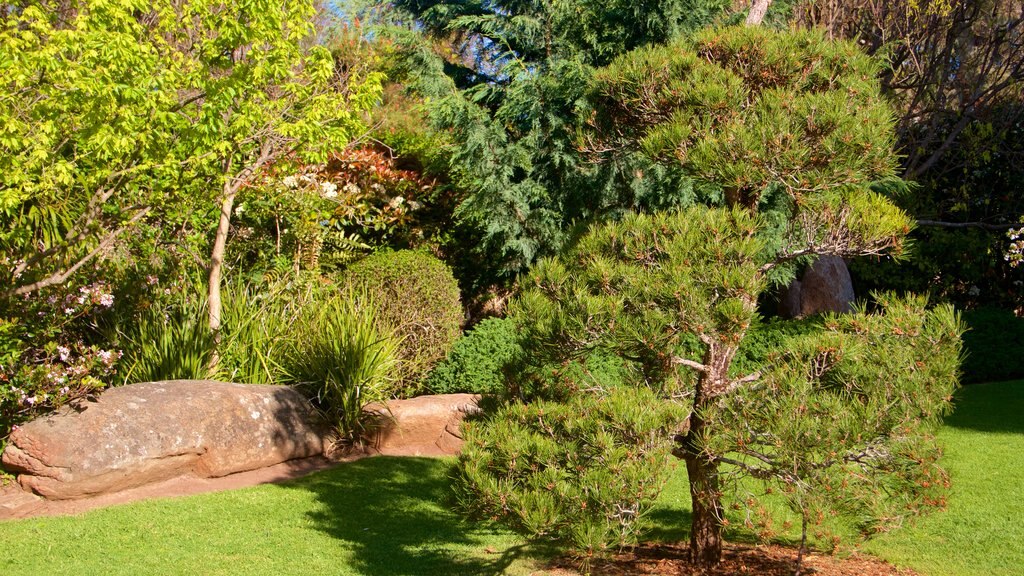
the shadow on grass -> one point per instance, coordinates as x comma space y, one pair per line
392, 512
992, 407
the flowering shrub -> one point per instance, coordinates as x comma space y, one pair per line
45, 360
357, 200
1015, 253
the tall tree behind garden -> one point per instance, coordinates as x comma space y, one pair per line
115, 114
507, 79
114, 108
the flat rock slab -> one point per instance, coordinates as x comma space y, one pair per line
421, 426
145, 433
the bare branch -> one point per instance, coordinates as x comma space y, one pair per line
61, 277
680, 361
981, 225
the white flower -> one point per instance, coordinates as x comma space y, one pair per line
239, 209
106, 356
107, 300
973, 291
414, 205
351, 188
329, 189
290, 182
396, 202
69, 311
64, 353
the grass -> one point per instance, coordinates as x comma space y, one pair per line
375, 517
388, 516
982, 530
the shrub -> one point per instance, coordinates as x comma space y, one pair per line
417, 297
168, 345
50, 353
532, 467
338, 354
477, 360
992, 345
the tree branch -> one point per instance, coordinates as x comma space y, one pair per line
981, 225
680, 361
61, 277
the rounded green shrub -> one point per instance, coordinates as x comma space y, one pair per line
477, 360
416, 297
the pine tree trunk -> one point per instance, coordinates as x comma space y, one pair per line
705, 496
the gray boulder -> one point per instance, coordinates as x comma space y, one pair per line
826, 287
143, 433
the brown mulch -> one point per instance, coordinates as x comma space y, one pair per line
765, 560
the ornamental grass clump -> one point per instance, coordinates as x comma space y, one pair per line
339, 355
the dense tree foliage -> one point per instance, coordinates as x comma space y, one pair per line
135, 121
788, 131
507, 80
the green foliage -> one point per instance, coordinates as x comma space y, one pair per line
173, 344
851, 411
766, 337
583, 473
114, 109
789, 124
477, 361
415, 296
836, 414
337, 352
992, 349
294, 331
507, 80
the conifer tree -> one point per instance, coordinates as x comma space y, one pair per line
509, 84
786, 133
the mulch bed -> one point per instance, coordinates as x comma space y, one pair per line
767, 560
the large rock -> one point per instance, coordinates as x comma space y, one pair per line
826, 286
143, 433
422, 426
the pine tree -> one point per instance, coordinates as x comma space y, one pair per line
788, 133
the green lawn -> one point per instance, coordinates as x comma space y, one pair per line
376, 517
982, 530
388, 516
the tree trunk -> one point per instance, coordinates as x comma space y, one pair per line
705, 496
758, 9
216, 265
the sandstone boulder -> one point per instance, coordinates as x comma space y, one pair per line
826, 287
422, 426
143, 433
